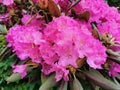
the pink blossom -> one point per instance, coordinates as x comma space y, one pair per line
111, 27
60, 32
25, 42
61, 72
48, 53
7, 2
73, 40
91, 48
68, 54
65, 39
47, 68
114, 69
20, 69
93, 6
98, 10
60, 35
4, 17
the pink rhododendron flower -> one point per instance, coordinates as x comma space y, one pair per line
68, 54
111, 27
61, 72
7, 2
92, 48
48, 53
98, 9
72, 41
25, 41
61, 33
47, 68
20, 69
4, 17
95, 8
114, 70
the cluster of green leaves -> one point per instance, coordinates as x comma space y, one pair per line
31, 82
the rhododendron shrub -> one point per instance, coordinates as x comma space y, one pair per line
68, 39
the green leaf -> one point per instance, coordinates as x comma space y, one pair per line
98, 79
63, 85
43, 78
3, 29
49, 83
14, 77
77, 85
118, 77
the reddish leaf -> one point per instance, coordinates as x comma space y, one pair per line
53, 9
85, 15
95, 34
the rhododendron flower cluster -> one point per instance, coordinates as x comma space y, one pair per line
111, 27
56, 43
73, 40
65, 41
26, 46
98, 9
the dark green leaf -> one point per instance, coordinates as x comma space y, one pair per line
98, 79
77, 85
14, 77
63, 85
49, 83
